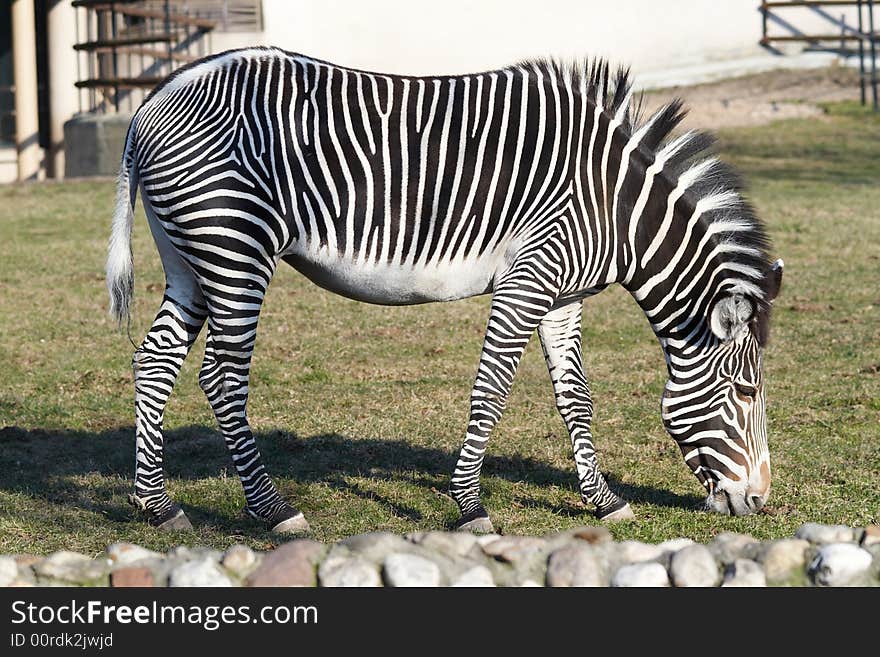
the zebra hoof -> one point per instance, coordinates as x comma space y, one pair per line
177, 522
296, 525
478, 525
285, 520
622, 513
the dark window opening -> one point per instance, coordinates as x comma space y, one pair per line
7, 90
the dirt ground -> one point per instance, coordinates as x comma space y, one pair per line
760, 98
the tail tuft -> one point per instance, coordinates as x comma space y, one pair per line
120, 269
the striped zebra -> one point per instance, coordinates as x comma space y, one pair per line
538, 184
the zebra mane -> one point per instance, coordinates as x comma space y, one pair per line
711, 182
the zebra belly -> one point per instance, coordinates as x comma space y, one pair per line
394, 284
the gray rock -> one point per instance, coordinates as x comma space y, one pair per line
641, 575
375, 546
8, 571
126, 554
727, 547
744, 572
402, 570
839, 564
354, 571
474, 577
200, 572
291, 564
636, 551
514, 549
822, 534
782, 559
694, 565
530, 584
239, 560
515, 559
25, 564
485, 539
73, 568
452, 543
574, 565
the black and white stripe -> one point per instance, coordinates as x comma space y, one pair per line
535, 183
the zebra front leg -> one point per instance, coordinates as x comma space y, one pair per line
156, 364
560, 333
224, 379
513, 318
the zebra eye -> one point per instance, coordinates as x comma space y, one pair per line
745, 389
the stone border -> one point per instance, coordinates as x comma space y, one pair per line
817, 555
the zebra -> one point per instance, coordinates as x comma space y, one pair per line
540, 184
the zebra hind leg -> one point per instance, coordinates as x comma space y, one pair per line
560, 333
156, 364
232, 327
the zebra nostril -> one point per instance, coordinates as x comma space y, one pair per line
756, 502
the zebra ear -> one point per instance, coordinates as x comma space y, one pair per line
730, 314
774, 279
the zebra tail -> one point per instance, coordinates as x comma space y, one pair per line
120, 269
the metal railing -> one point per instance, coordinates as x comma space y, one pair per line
863, 33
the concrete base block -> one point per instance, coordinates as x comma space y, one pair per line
93, 144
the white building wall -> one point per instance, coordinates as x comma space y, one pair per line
654, 37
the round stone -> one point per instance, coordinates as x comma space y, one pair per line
693, 565
291, 564
478, 576
514, 549
839, 564
72, 568
202, 572
124, 554
450, 543
727, 547
783, 557
744, 572
132, 576
636, 551
822, 534
641, 575
403, 570
353, 572
239, 560
8, 571
375, 546
574, 565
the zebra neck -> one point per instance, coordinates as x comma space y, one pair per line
678, 267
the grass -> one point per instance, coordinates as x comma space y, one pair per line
360, 409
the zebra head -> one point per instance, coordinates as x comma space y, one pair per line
713, 404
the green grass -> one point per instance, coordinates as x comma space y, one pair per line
360, 409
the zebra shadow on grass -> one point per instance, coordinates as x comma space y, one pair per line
92, 471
